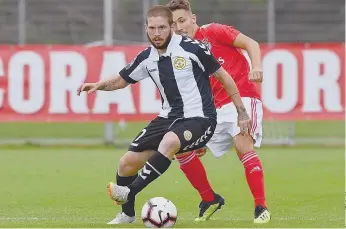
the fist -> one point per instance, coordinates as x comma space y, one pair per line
88, 87
256, 75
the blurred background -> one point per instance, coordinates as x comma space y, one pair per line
83, 21
294, 24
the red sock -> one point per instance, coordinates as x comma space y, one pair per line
194, 170
254, 176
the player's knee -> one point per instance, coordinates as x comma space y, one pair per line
169, 145
243, 143
129, 164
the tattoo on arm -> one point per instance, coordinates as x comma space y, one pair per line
242, 114
232, 90
108, 85
112, 84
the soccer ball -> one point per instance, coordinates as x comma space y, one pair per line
159, 212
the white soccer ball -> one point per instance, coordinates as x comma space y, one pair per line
159, 212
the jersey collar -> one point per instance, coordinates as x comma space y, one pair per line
175, 40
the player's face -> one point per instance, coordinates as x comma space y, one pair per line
185, 22
159, 32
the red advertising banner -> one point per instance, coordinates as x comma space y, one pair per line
38, 83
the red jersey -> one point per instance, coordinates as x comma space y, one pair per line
220, 38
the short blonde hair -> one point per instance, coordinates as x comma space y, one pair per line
162, 11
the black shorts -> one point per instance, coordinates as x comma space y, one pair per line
193, 133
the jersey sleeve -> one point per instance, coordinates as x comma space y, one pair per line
207, 59
223, 33
136, 70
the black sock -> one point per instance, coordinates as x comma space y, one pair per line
153, 168
129, 207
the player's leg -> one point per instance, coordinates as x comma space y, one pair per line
128, 168
132, 162
157, 164
206, 208
194, 170
244, 145
149, 138
179, 138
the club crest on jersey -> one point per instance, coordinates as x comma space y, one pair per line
179, 63
206, 43
187, 135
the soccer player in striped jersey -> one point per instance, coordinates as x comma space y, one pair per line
180, 67
225, 42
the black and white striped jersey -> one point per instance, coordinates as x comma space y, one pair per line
181, 75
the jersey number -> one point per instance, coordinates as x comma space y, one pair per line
141, 135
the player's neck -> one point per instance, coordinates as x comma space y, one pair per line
195, 28
161, 51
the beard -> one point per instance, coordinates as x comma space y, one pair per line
164, 44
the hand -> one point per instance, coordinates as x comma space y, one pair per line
244, 122
88, 87
200, 152
256, 75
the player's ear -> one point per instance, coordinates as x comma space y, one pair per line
194, 18
174, 26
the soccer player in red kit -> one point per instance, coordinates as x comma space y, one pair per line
226, 43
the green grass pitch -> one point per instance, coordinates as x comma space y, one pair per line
65, 187
303, 129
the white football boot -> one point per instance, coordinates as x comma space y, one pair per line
122, 218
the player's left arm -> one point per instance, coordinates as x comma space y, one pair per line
213, 67
253, 49
244, 121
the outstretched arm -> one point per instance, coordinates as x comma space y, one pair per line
112, 83
131, 74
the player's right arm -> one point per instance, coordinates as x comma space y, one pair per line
111, 84
228, 35
131, 74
